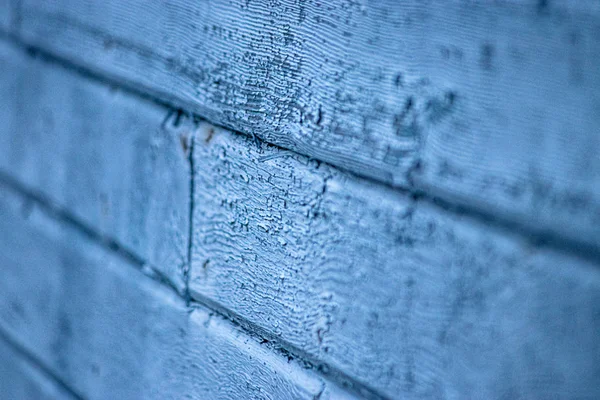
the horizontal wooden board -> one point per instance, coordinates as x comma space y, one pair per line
410, 299
497, 102
105, 156
22, 379
111, 332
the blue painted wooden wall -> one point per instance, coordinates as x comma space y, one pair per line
216, 199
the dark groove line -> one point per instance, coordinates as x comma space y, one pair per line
89, 73
37, 363
190, 239
280, 347
289, 351
55, 211
538, 237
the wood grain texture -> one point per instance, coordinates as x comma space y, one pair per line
405, 297
111, 332
100, 153
497, 102
21, 379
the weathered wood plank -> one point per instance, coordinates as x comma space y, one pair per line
407, 298
21, 379
535, 157
499, 100
111, 332
98, 152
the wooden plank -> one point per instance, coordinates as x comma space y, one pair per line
111, 332
408, 298
100, 153
22, 379
535, 158
497, 100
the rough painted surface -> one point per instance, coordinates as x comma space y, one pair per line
497, 102
493, 105
58, 295
403, 296
96, 151
21, 379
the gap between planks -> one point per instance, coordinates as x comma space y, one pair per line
29, 357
